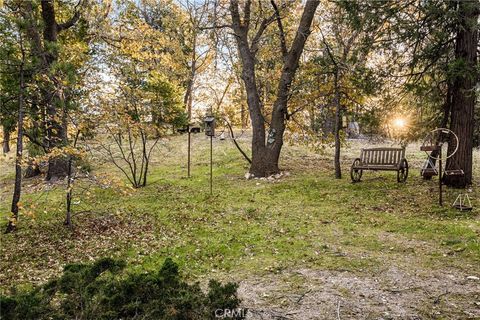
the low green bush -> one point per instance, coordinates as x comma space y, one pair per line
104, 290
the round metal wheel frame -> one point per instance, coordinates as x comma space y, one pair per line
356, 174
402, 174
439, 131
463, 207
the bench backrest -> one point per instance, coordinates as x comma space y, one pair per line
382, 156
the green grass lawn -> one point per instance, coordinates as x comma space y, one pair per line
306, 219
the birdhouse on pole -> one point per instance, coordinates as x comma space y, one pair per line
209, 125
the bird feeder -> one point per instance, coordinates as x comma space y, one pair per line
210, 132
209, 126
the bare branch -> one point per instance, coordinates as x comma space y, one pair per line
247, 10
35, 141
235, 141
74, 19
329, 51
222, 26
281, 33
263, 26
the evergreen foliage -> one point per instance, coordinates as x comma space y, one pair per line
104, 290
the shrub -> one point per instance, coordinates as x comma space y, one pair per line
104, 290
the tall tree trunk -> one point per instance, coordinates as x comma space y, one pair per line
253, 97
54, 100
38, 126
266, 152
260, 164
46, 54
17, 189
243, 115
188, 99
463, 95
70, 181
145, 158
6, 139
68, 215
338, 127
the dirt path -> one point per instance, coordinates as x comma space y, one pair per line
391, 294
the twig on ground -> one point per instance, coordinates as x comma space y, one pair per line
338, 309
303, 295
272, 313
402, 290
437, 299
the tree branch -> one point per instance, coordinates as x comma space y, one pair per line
247, 10
329, 52
221, 26
36, 142
236, 22
235, 141
73, 20
281, 33
263, 26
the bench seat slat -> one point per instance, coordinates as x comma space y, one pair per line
377, 167
382, 158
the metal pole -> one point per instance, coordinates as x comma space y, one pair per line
211, 165
188, 152
440, 198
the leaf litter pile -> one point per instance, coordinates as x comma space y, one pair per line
41, 253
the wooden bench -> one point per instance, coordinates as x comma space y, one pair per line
381, 159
